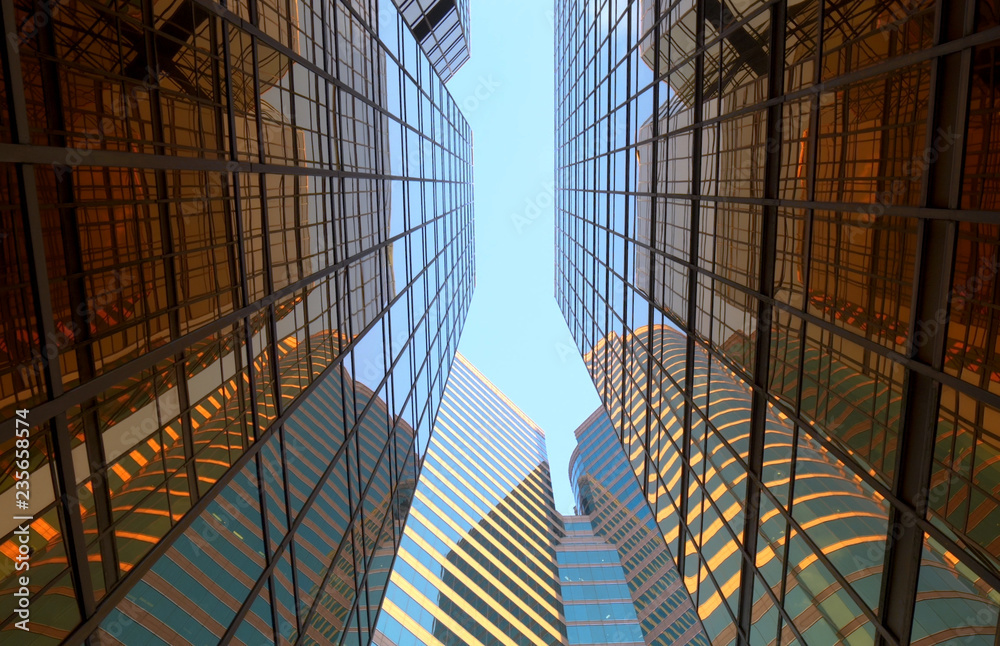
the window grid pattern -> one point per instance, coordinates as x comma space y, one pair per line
442, 28
597, 600
775, 249
242, 263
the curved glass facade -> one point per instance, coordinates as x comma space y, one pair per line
238, 254
477, 564
777, 248
822, 532
606, 489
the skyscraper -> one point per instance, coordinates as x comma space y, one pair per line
237, 242
477, 564
777, 249
442, 29
596, 598
607, 491
486, 559
823, 558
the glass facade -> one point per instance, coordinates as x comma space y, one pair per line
822, 530
442, 29
596, 598
777, 248
606, 490
477, 564
238, 254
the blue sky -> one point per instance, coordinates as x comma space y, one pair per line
515, 334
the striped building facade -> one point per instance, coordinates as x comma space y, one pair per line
596, 598
477, 565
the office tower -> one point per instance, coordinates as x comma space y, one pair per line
824, 555
777, 248
596, 598
442, 29
607, 492
237, 242
477, 563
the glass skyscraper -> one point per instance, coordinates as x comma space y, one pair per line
442, 29
596, 598
777, 248
822, 556
238, 253
477, 564
486, 559
607, 491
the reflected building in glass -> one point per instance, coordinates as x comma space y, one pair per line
777, 248
238, 250
477, 564
607, 492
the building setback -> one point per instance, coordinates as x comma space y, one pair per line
238, 255
442, 29
777, 250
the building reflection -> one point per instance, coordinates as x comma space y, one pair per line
782, 216
822, 533
870, 150
232, 328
